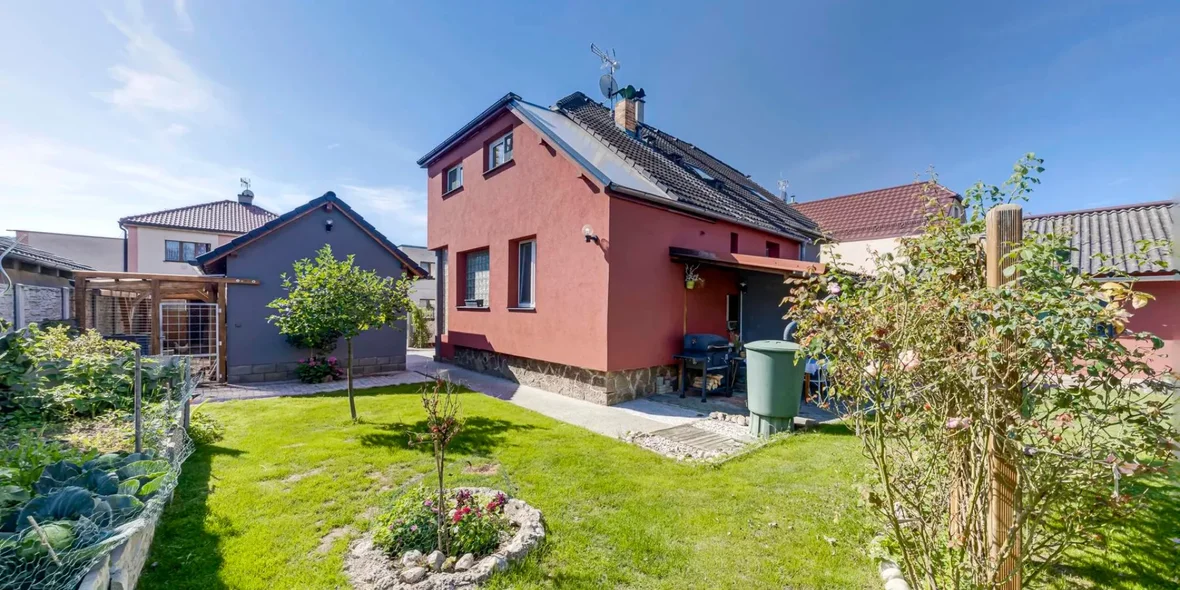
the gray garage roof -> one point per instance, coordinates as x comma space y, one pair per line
1112, 231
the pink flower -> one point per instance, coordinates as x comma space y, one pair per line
958, 423
332, 359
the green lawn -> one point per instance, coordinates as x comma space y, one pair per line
275, 504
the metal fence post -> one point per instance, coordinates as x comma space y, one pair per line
186, 414
138, 402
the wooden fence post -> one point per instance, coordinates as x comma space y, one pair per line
138, 391
1004, 233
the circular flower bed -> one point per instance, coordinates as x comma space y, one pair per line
486, 529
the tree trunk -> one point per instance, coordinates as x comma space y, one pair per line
351, 402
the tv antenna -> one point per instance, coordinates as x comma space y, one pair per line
782, 190
607, 83
245, 183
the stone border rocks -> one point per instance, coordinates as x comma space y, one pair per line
368, 567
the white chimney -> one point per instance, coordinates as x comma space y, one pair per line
246, 197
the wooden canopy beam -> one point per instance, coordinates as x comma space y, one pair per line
97, 274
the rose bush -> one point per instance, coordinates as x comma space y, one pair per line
925, 355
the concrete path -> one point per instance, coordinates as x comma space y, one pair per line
613, 421
635, 416
222, 393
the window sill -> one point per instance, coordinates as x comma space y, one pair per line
452, 192
523, 309
497, 169
473, 308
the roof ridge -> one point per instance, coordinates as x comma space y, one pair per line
879, 190
206, 204
1164, 203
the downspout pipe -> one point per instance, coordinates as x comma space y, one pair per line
124, 228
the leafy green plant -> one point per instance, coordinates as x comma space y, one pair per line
328, 299
475, 522
318, 369
411, 523
203, 428
925, 354
420, 335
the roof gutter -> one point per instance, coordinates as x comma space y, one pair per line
698, 212
465, 130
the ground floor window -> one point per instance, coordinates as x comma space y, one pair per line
477, 264
526, 264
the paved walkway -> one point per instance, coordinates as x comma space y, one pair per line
635, 416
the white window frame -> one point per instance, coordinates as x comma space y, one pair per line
458, 181
505, 142
532, 276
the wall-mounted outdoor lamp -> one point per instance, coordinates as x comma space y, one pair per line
742, 287
588, 233
328, 225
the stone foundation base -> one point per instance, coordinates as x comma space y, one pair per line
601, 387
361, 367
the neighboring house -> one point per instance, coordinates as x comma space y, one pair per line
165, 241
1114, 231
35, 285
563, 236
425, 292
96, 252
859, 224
255, 350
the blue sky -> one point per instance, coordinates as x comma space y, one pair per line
112, 109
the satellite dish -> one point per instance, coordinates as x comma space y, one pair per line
608, 85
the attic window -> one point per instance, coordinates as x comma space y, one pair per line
705, 176
755, 192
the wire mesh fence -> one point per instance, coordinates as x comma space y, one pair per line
81, 512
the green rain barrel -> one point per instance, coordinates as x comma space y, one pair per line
774, 385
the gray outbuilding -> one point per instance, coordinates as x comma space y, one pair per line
256, 351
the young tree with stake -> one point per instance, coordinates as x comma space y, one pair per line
328, 299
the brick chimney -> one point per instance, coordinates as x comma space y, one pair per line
629, 109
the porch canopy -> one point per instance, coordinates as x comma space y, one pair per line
746, 261
150, 289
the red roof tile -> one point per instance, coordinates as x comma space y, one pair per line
227, 216
883, 213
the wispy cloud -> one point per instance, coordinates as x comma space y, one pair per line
398, 211
156, 78
183, 21
1118, 181
825, 161
176, 130
333, 146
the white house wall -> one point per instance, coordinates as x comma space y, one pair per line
858, 256
149, 248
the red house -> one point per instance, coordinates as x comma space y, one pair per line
563, 237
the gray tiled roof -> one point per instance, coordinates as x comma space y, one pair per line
667, 161
1112, 231
36, 256
227, 216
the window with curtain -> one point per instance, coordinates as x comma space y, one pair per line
526, 274
477, 264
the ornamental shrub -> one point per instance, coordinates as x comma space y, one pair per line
317, 369
475, 523
925, 355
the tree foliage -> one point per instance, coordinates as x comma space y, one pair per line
922, 354
329, 299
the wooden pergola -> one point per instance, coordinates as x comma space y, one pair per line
206, 288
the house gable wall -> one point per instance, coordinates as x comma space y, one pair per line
145, 248
253, 342
542, 194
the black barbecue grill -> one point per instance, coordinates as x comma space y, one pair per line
708, 354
